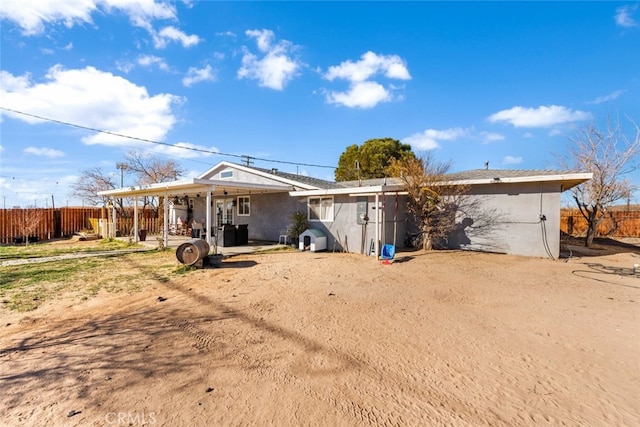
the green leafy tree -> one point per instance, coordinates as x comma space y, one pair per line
371, 159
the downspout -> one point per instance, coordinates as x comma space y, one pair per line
395, 220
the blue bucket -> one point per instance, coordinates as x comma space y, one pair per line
388, 251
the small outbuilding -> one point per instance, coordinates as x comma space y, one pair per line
312, 239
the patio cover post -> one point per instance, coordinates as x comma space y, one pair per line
113, 216
165, 220
377, 235
135, 218
208, 220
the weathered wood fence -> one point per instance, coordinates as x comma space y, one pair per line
618, 223
65, 221
49, 223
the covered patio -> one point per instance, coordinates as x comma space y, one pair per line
203, 189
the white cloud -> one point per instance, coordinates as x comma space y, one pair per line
363, 91
167, 34
610, 97
276, 68
527, 135
91, 98
511, 160
430, 138
370, 64
230, 34
624, 16
33, 15
263, 38
43, 151
68, 46
150, 60
543, 116
196, 75
186, 150
361, 94
490, 136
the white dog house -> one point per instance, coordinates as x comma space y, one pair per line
313, 240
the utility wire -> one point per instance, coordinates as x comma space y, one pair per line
201, 150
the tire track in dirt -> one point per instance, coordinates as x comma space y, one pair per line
357, 412
416, 405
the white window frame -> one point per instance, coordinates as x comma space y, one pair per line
239, 201
226, 174
328, 217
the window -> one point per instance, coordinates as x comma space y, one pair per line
226, 174
244, 206
320, 209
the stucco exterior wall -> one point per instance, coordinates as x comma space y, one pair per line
344, 232
269, 213
508, 220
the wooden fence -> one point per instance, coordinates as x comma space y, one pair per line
54, 223
49, 223
618, 223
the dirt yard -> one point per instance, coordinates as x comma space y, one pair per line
444, 338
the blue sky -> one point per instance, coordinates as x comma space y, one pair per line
295, 83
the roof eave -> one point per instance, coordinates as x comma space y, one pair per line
351, 191
185, 186
569, 180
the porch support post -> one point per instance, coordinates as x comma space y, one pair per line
208, 215
376, 243
135, 219
165, 220
113, 216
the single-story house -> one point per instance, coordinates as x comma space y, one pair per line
515, 211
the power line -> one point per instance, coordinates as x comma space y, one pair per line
201, 150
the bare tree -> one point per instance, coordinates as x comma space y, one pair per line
609, 154
90, 182
432, 200
28, 222
150, 169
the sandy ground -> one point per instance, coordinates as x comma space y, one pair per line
445, 338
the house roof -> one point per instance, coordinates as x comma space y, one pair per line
494, 176
470, 177
301, 185
303, 179
501, 173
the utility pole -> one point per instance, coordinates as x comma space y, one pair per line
122, 167
247, 160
